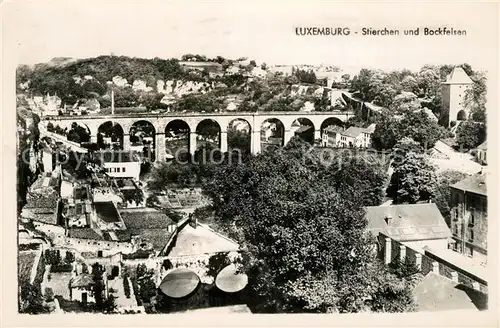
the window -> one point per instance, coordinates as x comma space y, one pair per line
471, 235
123, 169
118, 169
472, 215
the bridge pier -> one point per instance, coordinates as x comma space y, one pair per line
160, 147
192, 142
317, 134
255, 142
223, 141
287, 136
126, 141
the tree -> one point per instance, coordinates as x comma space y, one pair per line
284, 208
98, 287
31, 299
386, 133
470, 134
70, 257
413, 180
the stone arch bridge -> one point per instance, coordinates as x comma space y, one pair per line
160, 122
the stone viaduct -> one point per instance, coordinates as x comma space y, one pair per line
192, 120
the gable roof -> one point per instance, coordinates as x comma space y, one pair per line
353, 132
482, 146
333, 129
145, 218
438, 293
474, 184
458, 76
82, 280
409, 222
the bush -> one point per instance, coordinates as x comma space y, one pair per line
49, 294
61, 268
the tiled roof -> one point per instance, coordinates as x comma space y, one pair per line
482, 146
438, 293
353, 132
25, 262
82, 280
157, 237
409, 222
475, 184
84, 233
458, 76
107, 211
303, 128
145, 218
41, 214
333, 129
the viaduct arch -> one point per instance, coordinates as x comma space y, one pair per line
189, 122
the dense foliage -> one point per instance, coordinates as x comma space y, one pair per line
414, 179
413, 124
470, 134
303, 233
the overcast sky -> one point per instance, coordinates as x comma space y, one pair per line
40, 30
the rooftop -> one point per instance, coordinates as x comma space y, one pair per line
482, 146
438, 293
474, 184
157, 237
408, 222
145, 218
117, 156
333, 129
353, 132
82, 280
107, 212
25, 265
84, 233
458, 76
202, 240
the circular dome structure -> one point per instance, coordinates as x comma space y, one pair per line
179, 283
230, 280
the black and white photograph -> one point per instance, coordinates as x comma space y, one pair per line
251, 158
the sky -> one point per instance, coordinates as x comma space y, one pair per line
262, 30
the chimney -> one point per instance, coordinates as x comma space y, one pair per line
388, 219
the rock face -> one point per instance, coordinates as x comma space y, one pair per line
179, 88
140, 85
120, 81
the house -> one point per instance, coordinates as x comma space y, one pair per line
418, 225
469, 216
453, 95
81, 288
357, 137
331, 136
481, 153
120, 164
43, 200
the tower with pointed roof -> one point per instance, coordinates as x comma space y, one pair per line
453, 96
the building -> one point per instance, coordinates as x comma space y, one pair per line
416, 225
120, 164
43, 200
481, 153
469, 216
452, 97
331, 136
357, 137
81, 288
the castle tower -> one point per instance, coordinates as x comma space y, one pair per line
453, 96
